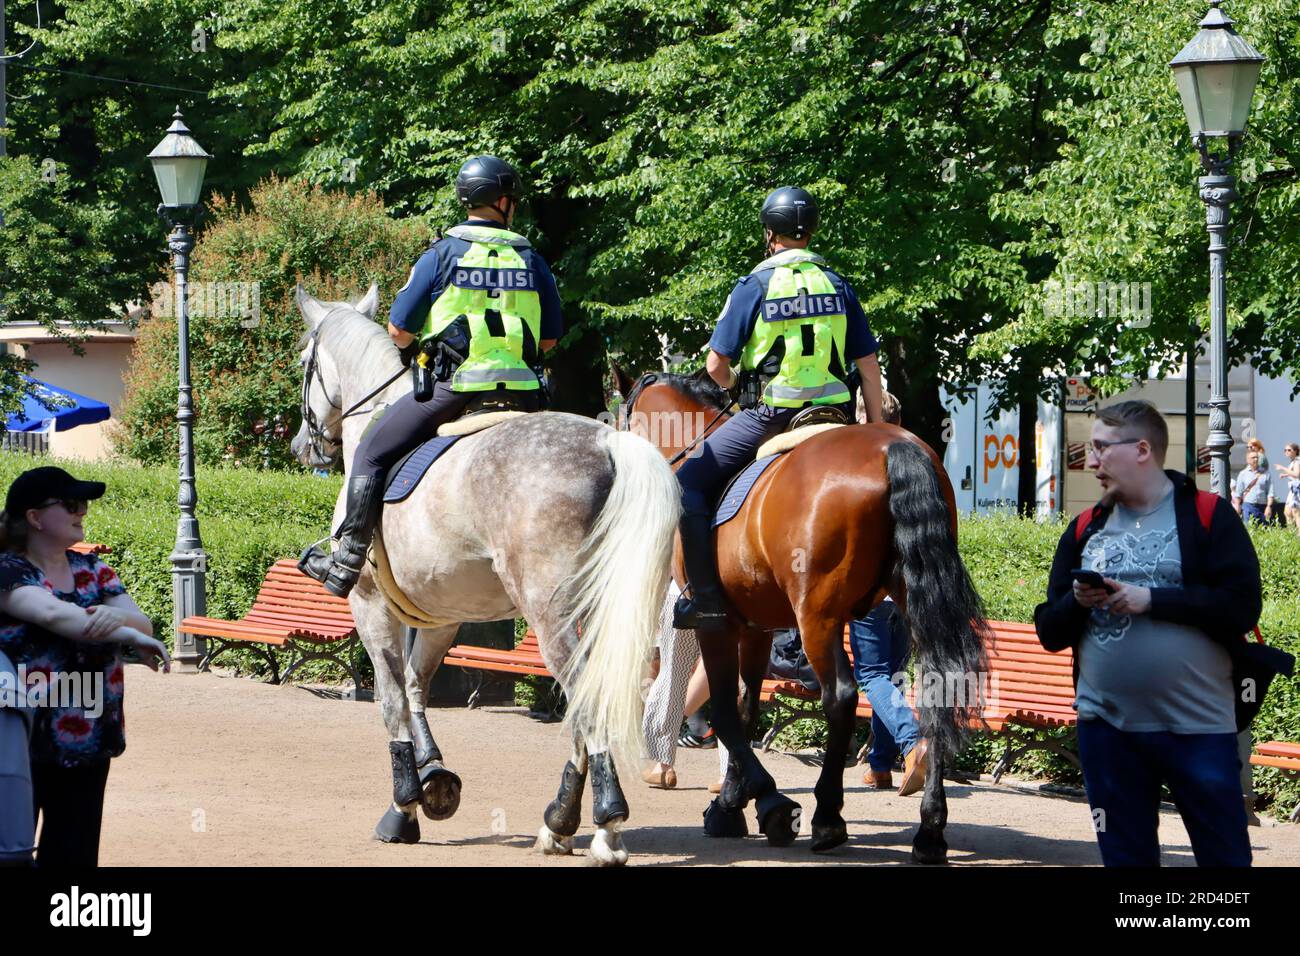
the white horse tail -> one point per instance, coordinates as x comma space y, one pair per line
616, 595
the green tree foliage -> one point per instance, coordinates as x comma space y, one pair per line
53, 261
1120, 202
963, 153
245, 369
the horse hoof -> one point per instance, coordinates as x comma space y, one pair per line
440, 791
720, 821
778, 818
929, 852
552, 844
396, 827
607, 848
829, 837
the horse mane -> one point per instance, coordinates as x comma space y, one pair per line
692, 386
354, 335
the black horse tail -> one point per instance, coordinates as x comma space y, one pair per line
942, 610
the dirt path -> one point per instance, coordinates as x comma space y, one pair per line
229, 772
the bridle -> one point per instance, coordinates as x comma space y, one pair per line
625, 415
316, 436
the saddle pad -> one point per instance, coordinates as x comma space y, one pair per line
411, 469
739, 490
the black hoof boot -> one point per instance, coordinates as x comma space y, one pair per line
426, 748
440, 791
828, 836
406, 781
564, 814
929, 849
722, 822
607, 800
778, 818
396, 827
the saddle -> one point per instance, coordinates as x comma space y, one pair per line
810, 421
490, 408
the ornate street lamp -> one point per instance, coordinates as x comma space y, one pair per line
1216, 74
179, 163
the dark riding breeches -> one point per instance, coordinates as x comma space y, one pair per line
403, 425
712, 463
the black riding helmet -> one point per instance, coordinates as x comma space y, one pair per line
483, 180
790, 211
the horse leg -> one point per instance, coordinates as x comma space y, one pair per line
824, 645
778, 815
929, 846
564, 815
440, 787
382, 635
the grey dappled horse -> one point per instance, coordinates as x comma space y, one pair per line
555, 518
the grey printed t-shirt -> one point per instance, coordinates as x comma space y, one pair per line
1142, 674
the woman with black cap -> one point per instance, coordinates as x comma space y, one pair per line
66, 613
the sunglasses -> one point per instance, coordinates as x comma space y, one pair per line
71, 505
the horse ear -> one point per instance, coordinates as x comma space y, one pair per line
309, 306
622, 381
369, 303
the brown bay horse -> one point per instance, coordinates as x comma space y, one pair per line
829, 529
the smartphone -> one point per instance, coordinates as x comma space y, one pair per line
1092, 579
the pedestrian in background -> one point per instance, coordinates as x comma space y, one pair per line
1252, 492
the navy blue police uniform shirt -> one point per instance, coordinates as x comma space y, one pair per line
745, 305
430, 275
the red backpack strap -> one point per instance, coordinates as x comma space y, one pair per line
1259, 638
1081, 523
1205, 503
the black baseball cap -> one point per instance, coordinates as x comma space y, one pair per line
36, 486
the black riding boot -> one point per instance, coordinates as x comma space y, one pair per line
705, 609
339, 571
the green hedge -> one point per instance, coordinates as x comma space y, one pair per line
251, 518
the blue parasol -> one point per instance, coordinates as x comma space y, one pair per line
67, 409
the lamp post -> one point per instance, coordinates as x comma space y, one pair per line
1216, 74
178, 164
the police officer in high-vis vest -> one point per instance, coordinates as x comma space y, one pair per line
485, 302
794, 326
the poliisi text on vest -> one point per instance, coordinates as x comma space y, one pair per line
803, 304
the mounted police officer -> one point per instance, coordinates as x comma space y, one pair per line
480, 307
793, 325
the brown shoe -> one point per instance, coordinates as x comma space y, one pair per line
878, 779
660, 779
914, 768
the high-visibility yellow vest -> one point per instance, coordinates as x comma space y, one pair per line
493, 288
803, 308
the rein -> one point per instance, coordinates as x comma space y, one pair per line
315, 428
649, 378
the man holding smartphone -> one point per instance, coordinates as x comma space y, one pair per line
1155, 641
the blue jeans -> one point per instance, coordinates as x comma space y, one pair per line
730, 447
1253, 513
880, 644
1123, 771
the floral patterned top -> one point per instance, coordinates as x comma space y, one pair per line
68, 736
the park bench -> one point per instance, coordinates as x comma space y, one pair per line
291, 612
1028, 690
85, 547
1283, 756
488, 664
